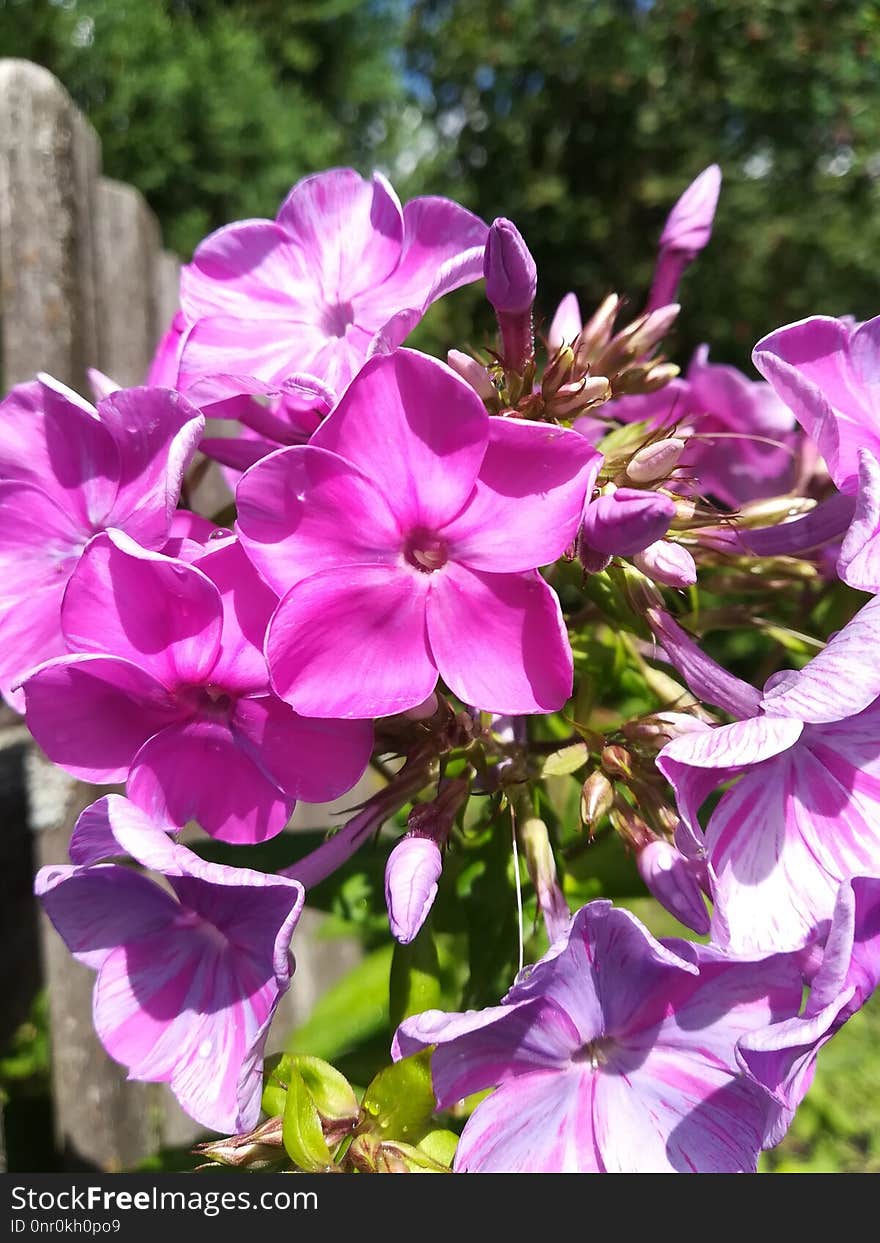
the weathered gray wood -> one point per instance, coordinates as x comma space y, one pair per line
46, 153
127, 250
166, 289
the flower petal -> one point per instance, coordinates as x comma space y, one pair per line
158, 613
417, 430
302, 510
499, 640
195, 770
528, 499
352, 642
91, 714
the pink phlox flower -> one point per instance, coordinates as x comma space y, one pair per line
167, 687
342, 271
614, 1053
67, 471
404, 541
188, 981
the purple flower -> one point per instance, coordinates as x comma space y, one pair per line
614, 1053
67, 471
168, 687
288, 414
687, 230
804, 815
343, 269
625, 521
406, 536
783, 1057
187, 984
827, 371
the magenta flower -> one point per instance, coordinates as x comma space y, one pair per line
341, 269
68, 471
406, 537
187, 984
614, 1053
686, 232
783, 1057
741, 442
168, 687
827, 371
804, 815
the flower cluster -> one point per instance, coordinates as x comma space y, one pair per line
434, 571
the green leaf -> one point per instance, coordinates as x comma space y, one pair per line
332, 1093
302, 1131
565, 761
399, 1102
415, 983
440, 1146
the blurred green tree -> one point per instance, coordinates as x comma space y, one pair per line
214, 108
584, 121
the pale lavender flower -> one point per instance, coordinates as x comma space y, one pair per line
804, 814
187, 984
614, 1053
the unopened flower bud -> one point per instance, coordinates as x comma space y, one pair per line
565, 326
661, 727
474, 373
687, 230
597, 797
411, 875
617, 761
774, 510
511, 275
659, 376
558, 371
425, 710
541, 865
672, 880
667, 563
596, 332
656, 461
653, 329
580, 395
626, 521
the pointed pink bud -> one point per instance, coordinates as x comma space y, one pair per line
689, 225
411, 877
687, 230
511, 275
565, 327
667, 563
625, 522
474, 373
672, 879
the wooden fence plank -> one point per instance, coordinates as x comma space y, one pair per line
126, 252
46, 151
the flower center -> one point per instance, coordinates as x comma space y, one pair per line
426, 551
595, 1053
336, 318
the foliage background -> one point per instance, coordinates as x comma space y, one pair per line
582, 120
